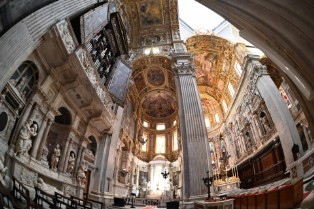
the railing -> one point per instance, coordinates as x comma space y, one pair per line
144, 201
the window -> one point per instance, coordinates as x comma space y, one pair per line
231, 90
174, 123
238, 68
160, 126
175, 141
224, 104
160, 143
207, 123
217, 118
144, 146
145, 124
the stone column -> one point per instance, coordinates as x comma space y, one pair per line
39, 137
79, 158
64, 154
43, 140
196, 159
277, 108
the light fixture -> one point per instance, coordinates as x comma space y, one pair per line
165, 174
123, 172
208, 182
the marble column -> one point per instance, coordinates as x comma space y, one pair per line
63, 156
79, 158
39, 137
43, 140
278, 110
196, 159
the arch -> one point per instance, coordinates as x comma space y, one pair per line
65, 118
25, 78
92, 146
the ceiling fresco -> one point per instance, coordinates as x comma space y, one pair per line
150, 22
154, 86
214, 58
159, 105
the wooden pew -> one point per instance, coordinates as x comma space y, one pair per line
82, 203
251, 202
62, 201
44, 199
21, 196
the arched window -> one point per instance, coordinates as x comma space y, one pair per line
65, 117
24, 78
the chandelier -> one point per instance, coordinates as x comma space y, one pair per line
165, 174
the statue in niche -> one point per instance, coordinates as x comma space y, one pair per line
71, 163
45, 153
81, 177
265, 123
21, 83
55, 157
3, 169
24, 142
224, 156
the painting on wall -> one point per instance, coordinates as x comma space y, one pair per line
93, 21
155, 76
143, 178
119, 82
205, 67
150, 11
159, 106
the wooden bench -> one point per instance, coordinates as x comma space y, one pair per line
44, 199
21, 196
82, 203
62, 201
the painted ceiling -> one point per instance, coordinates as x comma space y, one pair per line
214, 59
155, 86
150, 22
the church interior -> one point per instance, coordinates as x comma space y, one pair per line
107, 104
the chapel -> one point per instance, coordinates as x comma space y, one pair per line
111, 103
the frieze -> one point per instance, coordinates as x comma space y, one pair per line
65, 34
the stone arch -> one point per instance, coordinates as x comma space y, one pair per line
65, 118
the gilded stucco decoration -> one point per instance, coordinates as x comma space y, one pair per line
150, 22
159, 105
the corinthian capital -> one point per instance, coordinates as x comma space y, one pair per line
185, 68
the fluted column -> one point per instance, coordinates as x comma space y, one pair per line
39, 137
79, 158
196, 159
43, 140
63, 156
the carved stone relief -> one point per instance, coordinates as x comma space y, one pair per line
66, 36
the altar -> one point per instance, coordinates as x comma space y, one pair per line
214, 204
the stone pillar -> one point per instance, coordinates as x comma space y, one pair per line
277, 108
43, 140
196, 159
79, 158
64, 155
39, 137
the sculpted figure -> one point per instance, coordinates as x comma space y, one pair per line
24, 142
45, 153
81, 177
3, 169
47, 188
21, 84
265, 124
71, 163
55, 157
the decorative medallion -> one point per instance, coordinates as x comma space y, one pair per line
155, 76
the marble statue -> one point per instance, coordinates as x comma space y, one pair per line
3, 169
265, 124
45, 153
21, 83
24, 142
71, 163
55, 157
81, 177
47, 188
